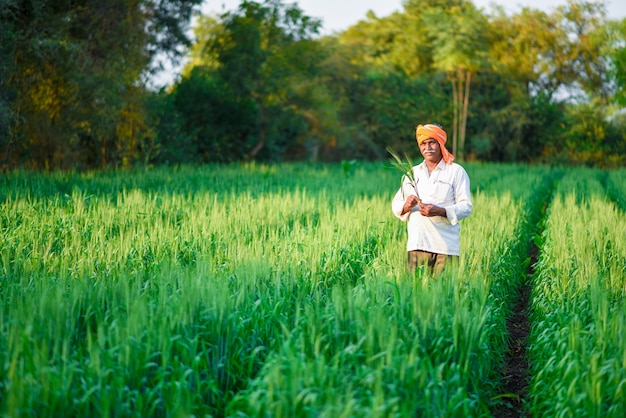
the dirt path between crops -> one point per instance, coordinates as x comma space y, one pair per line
515, 368
514, 371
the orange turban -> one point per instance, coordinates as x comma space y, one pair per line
424, 132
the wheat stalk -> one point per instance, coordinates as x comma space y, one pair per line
406, 168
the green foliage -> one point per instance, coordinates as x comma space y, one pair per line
75, 73
281, 290
7, 94
244, 103
590, 139
221, 124
388, 109
172, 144
526, 131
617, 34
576, 344
156, 285
260, 84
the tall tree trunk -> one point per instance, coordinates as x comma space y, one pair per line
460, 81
10, 136
468, 76
103, 153
455, 95
259, 146
459, 109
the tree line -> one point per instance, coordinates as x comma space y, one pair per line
261, 84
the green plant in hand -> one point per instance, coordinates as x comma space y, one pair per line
406, 167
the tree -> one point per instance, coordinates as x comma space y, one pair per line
76, 70
260, 54
7, 93
617, 36
459, 38
516, 46
552, 52
433, 36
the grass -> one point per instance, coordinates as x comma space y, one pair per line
252, 290
576, 345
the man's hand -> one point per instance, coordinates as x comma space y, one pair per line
432, 210
410, 202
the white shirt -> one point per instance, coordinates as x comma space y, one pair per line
448, 186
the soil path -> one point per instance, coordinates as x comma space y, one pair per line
514, 371
515, 368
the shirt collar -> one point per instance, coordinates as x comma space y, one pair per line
440, 166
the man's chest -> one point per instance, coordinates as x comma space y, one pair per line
436, 187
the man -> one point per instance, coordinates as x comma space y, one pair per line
434, 203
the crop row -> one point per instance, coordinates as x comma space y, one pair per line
576, 346
281, 291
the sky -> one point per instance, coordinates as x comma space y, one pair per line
338, 15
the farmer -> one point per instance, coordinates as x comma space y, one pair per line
434, 203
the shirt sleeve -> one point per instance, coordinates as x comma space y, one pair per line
462, 207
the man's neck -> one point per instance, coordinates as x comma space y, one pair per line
431, 165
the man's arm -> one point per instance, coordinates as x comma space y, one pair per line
401, 206
462, 207
410, 202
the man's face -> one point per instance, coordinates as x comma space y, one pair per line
431, 151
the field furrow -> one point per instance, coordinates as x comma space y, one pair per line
251, 290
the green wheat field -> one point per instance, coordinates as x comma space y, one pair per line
255, 290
